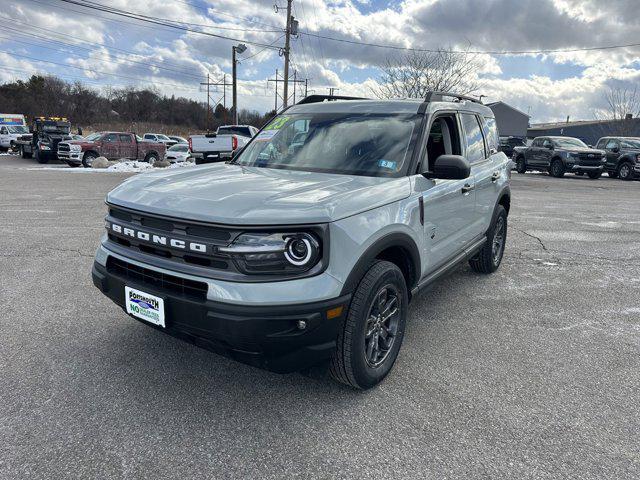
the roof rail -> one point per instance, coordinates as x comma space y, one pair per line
438, 97
328, 98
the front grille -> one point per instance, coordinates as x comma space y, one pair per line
64, 147
180, 229
585, 159
158, 280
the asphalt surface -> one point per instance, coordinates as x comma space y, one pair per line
533, 372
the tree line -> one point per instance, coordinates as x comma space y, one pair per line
84, 106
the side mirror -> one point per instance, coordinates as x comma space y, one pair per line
451, 167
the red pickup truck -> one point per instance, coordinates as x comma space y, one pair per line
111, 145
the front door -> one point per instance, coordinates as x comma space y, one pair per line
612, 147
127, 147
110, 148
448, 205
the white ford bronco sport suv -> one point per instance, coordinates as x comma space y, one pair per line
309, 244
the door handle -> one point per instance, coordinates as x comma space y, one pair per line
495, 176
467, 188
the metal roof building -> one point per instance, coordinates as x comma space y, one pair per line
589, 131
511, 121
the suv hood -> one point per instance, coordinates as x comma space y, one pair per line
231, 194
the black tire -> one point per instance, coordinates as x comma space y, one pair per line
88, 158
625, 171
24, 154
151, 158
488, 259
73, 165
580, 174
594, 175
521, 165
557, 168
352, 362
612, 173
41, 158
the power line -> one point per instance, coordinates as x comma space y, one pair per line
160, 21
478, 52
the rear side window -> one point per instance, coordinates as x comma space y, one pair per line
491, 133
125, 138
473, 136
242, 131
111, 138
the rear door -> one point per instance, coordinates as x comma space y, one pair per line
546, 152
532, 154
127, 146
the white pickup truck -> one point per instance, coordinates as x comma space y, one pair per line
220, 146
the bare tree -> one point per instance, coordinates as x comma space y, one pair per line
415, 73
622, 111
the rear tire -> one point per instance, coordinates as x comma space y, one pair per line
371, 334
151, 158
488, 259
625, 171
557, 168
73, 165
594, 175
521, 165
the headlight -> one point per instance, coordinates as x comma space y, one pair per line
273, 253
637, 158
44, 146
75, 148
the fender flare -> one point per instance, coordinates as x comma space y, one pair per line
395, 239
626, 158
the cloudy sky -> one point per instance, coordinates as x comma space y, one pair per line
102, 49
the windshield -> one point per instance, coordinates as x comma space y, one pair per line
179, 148
630, 143
569, 143
93, 136
19, 129
347, 143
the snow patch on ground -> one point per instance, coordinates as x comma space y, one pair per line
130, 166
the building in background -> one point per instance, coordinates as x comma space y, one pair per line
589, 131
511, 121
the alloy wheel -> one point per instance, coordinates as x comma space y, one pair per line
625, 171
382, 325
498, 241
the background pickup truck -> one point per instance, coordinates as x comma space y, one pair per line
219, 146
111, 145
558, 155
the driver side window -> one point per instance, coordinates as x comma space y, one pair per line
444, 139
547, 143
611, 144
3, 131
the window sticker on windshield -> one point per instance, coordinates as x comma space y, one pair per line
265, 135
278, 123
387, 164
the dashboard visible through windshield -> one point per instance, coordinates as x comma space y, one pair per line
346, 143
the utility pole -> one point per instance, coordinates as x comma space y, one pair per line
278, 80
218, 83
332, 90
240, 48
295, 80
287, 43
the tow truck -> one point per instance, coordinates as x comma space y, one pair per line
42, 142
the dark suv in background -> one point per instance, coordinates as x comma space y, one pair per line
507, 144
623, 156
559, 155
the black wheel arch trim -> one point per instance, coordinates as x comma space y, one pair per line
396, 239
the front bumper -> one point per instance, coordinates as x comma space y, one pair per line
73, 157
267, 337
586, 168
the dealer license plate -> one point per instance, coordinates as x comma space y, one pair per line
144, 306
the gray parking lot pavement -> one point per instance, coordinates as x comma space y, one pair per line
532, 372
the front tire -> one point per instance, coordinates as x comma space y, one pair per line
594, 175
625, 171
41, 158
557, 168
371, 334
488, 259
521, 165
87, 159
